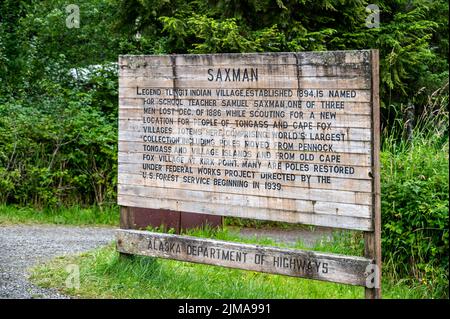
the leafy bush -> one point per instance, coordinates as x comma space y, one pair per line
60, 148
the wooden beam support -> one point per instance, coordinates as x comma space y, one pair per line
373, 239
298, 263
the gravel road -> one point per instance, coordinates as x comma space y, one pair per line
23, 246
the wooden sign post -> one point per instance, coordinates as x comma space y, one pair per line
291, 137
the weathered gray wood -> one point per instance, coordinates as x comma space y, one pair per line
133, 129
295, 217
315, 194
344, 71
328, 58
356, 147
275, 203
360, 175
362, 95
345, 120
290, 262
198, 81
161, 94
349, 107
300, 182
126, 155
373, 239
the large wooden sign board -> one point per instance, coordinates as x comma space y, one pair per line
291, 137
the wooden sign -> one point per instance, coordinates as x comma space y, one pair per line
291, 137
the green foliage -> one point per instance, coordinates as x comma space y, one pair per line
415, 237
58, 149
74, 215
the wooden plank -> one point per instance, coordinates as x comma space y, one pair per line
346, 120
290, 105
295, 217
290, 262
301, 58
337, 70
245, 125
230, 71
274, 203
373, 239
257, 154
245, 186
279, 113
126, 218
264, 81
223, 59
356, 95
295, 141
333, 57
362, 160
173, 146
293, 177
136, 129
349, 70
297, 181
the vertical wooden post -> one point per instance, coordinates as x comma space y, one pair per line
373, 239
126, 218
126, 222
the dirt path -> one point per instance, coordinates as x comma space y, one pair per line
23, 246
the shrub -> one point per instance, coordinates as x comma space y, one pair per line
61, 148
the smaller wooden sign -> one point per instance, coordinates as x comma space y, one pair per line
298, 263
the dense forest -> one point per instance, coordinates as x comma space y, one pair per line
59, 97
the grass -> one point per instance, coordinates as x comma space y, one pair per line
103, 274
256, 223
415, 201
73, 215
343, 242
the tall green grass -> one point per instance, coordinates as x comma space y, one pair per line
415, 212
